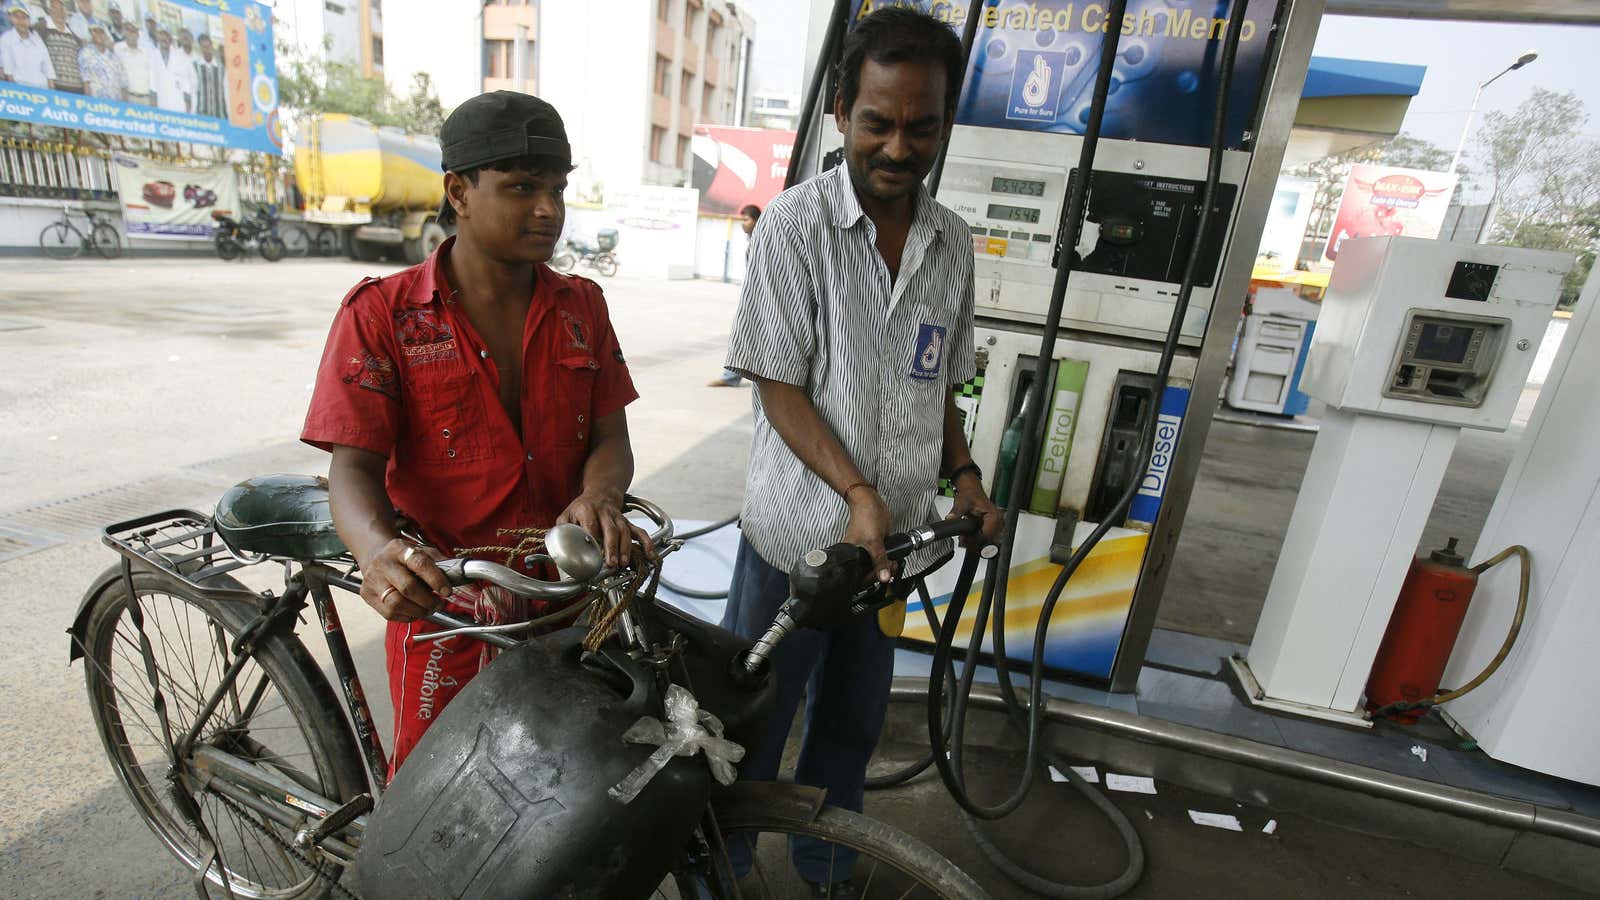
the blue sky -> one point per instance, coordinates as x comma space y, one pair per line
1461, 54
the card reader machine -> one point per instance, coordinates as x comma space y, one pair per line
1416, 340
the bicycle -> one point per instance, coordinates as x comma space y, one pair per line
237, 754
598, 256
64, 240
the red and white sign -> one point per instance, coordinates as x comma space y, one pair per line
738, 166
1382, 200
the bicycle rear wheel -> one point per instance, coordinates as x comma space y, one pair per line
59, 240
891, 864
281, 716
272, 248
106, 241
327, 243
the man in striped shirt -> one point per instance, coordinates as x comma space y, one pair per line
855, 323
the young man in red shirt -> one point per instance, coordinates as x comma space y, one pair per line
475, 392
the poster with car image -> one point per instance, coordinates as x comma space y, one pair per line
187, 71
170, 201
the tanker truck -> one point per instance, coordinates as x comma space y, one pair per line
380, 186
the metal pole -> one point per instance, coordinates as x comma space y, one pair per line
968, 33
1455, 161
519, 60
808, 111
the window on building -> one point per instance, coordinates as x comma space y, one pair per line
686, 88
377, 50
497, 59
663, 76
683, 152
706, 96
334, 8
713, 30
658, 138
691, 20
664, 10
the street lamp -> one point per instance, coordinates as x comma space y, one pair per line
1522, 60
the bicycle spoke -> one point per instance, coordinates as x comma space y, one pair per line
870, 875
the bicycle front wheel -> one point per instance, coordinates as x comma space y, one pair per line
606, 264
890, 864
60, 241
106, 241
280, 716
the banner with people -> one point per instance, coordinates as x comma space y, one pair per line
172, 201
189, 71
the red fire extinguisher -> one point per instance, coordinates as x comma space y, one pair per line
1422, 632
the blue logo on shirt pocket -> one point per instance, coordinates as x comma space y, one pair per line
929, 352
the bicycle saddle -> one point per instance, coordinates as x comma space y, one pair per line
282, 515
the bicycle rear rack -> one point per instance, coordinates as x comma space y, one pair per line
180, 542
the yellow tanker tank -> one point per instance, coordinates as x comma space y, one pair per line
383, 182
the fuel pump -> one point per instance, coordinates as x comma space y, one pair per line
1102, 157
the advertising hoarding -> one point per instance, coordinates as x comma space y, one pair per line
734, 166
1385, 201
189, 71
1033, 66
168, 201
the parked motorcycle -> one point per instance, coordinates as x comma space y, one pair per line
234, 238
597, 256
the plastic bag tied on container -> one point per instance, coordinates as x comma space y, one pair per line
687, 731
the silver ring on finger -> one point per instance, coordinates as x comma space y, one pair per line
406, 556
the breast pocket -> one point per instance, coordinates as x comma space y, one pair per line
575, 380
446, 422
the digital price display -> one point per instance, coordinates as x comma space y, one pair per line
1018, 186
1006, 213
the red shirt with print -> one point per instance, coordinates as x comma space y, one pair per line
405, 375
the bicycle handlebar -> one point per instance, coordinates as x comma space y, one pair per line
462, 571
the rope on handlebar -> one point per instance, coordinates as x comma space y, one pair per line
603, 624
529, 540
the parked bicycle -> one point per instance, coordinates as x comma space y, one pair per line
257, 231
597, 256
64, 240
235, 752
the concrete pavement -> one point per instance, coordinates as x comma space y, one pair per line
137, 384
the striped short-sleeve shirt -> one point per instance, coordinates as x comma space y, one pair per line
877, 356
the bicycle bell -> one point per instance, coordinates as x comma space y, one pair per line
574, 552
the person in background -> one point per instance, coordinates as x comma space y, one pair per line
63, 46
24, 59
166, 76
855, 323
77, 23
151, 28
114, 19
209, 99
183, 67
748, 214
135, 64
103, 75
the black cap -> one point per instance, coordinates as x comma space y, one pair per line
502, 125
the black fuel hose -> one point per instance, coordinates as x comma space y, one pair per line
1029, 718
693, 593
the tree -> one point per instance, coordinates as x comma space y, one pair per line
421, 111
1545, 179
317, 84
1331, 172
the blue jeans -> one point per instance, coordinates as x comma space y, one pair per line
845, 675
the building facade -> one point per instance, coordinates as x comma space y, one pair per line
773, 109
351, 31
